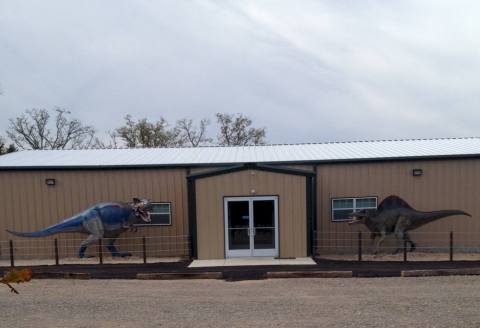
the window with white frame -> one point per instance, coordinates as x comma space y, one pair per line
160, 214
342, 207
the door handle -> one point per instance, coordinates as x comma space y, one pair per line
254, 232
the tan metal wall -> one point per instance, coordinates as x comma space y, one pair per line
290, 189
28, 204
445, 184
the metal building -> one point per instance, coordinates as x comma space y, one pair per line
275, 200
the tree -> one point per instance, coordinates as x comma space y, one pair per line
5, 149
236, 130
192, 135
35, 130
143, 133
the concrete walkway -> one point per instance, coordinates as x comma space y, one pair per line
250, 261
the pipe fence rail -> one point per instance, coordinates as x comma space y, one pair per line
429, 246
57, 251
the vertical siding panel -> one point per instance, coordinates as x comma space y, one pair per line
210, 215
445, 184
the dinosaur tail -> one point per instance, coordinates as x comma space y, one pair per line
69, 225
427, 217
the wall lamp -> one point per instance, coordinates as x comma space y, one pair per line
50, 182
417, 172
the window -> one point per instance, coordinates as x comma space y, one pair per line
160, 214
342, 207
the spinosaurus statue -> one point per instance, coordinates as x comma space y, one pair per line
395, 216
104, 220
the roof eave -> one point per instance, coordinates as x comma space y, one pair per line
190, 165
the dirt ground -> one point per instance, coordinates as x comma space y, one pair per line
92, 260
356, 302
411, 256
415, 256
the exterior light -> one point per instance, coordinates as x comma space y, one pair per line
50, 182
417, 172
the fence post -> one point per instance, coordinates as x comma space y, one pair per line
359, 246
144, 249
55, 243
404, 250
12, 260
100, 253
451, 245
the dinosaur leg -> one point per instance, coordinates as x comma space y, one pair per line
113, 250
83, 246
406, 237
400, 233
95, 227
379, 241
373, 235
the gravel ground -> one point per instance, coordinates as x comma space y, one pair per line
356, 302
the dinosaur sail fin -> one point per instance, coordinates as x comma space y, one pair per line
392, 202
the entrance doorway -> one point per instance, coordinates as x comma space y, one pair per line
251, 226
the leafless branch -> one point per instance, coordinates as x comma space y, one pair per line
32, 130
193, 135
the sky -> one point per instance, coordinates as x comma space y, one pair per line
308, 71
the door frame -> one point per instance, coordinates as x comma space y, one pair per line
251, 252
310, 176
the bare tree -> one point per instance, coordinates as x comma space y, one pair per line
192, 135
35, 130
111, 143
236, 130
143, 133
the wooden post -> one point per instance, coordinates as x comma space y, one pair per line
451, 245
404, 250
144, 249
359, 246
12, 260
100, 253
55, 243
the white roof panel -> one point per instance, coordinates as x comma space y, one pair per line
335, 151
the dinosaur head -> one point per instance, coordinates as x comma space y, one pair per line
360, 216
141, 207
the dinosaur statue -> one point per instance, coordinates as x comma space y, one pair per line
104, 220
395, 216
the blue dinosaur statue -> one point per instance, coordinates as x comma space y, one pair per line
104, 220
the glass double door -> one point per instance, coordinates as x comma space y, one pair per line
251, 226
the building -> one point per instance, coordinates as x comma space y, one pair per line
275, 200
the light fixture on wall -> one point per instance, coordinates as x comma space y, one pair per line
50, 182
417, 172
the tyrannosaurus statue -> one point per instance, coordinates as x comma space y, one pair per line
395, 216
104, 220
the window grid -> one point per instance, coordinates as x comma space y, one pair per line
352, 208
167, 210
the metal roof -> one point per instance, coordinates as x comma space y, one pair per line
294, 153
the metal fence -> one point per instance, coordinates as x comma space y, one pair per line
429, 246
65, 250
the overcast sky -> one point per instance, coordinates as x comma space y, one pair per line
309, 71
